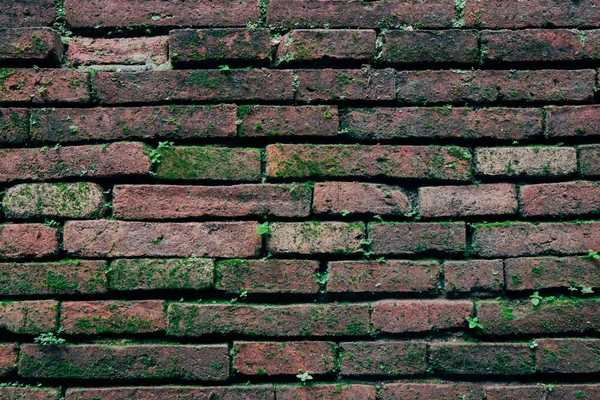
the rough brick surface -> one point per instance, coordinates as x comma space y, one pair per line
29, 317
269, 121
40, 46
568, 121
256, 392
27, 241
473, 276
22, 13
20, 85
29, 393
15, 125
334, 392
417, 391
315, 238
568, 356
383, 358
589, 160
435, 47
345, 84
417, 237
560, 199
420, 315
137, 51
526, 161
8, 359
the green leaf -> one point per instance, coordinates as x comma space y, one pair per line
263, 229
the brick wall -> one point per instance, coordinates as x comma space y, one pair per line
390, 199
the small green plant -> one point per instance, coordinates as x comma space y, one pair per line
345, 212
535, 298
586, 290
305, 376
52, 223
533, 344
365, 247
156, 154
263, 229
224, 67
50, 338
592, 255
474, 323
550, 387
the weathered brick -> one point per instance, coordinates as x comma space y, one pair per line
20, 85
41, 46
146, 239
550, 272
210, 163
332, 392
21, 13
267, 276
131, 13
180, 362
172, 202
219, 46
98, 161
560, 199
122, 51
566, 392
474, 275
286, 320
61, 277
315, 237
345, 84
14, 125
27, 241
401, 316
126, 123
53, 200
383, 358
416, 46
527, 239
526, 161
29, 317
465, 358
442, 122
160, 274
461, 201
8, 359
326, 46
524, 392
341, 198
286, 358
571, 121
589, 159
268, 121
194, 85
423, 162
568, 356
254, 392
418, 391
393, 276
485, 86
29, 393
417, 237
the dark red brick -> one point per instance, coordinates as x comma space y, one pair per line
14, 125
591, 43
254, 392
571, 121
526, 161
442, 391
29, 317
8, 359
566, 392
473, 276
417, 237
20, 85
29, 393
269, 121
21, 13
383, 358
150, 51
41, 46
568, 356
416, 46
523, 392
332, 392
315, 237
341, 198
589, 159
560, 199
401, 316
27, 241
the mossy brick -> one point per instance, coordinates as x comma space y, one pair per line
576, 391
589, 159
27, 13
146, 274
54, 200
97, 161
568, 356
340, 160
18, 241
188, 47
150, 51
391, 276
473, 276
330, 391
46, 85
8, 360
418, 391
418, 237
573, 121
285, 358
29, 393
502, 392
560, 199
194, 85
275, 121
210, 163
389, 358
149, 362
29, 317
41, 46
315, 237
53, 278
108, 238
403, 316
267, 276
307, 320
113, 317
542, 161
14, 125
254, 392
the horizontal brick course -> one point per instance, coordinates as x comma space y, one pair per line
31, 45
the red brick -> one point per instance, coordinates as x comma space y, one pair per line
286, 320
424, 162
360, 198
53, 200
122, 51
354, 13
568, 356
285, 358
97, 317
442, 122
560, 199
119, 123
551, 316
591, 43
29, 317
315, 237
465, 358
180, 362
27, 241
473, 276
269, 121
332, 392
40, 86
62, 277
254, 392
526, 161
526, 239
415, 46
383, 358
484, 87
98, 161
566, 392
29, 393
326, 46
523, 392
131, 13
393, 276
15, 125
417, 237
219, 46
461, 201
8, 359
345, 84
210, 163
267, 276
401, 316
159, 274
41, 46
419, 391
571, 121
194, 85
21, 13
550, 272
146, 239
589, 160
172, 202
